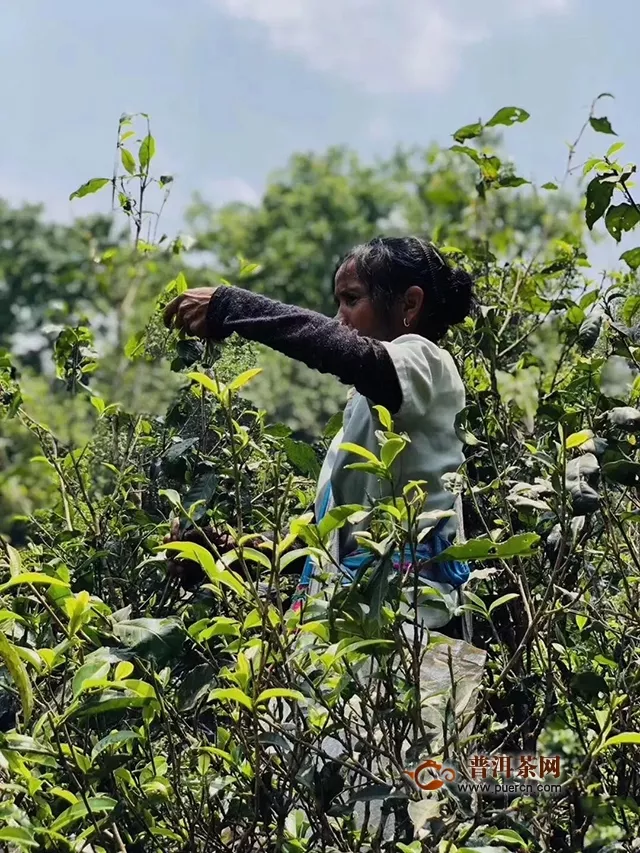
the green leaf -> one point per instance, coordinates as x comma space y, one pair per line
95, 670
385, 417
15, 561
620, 218
135, 345
90, 187
106, 703
179, 448
35, 578
19, 836
512, 181
98, 404
280, 430
279, 693
349, 447
598, 198
113, 739
469, 131
248, 270
128, 160
202, 490
25, 744
632, 258
590, 165
231, 694
602, 125
250, 554
617, 146
333, 426
507, 836
337, 517
502, 600
476, 156
147, 151
213, 570
292, 556
578, 438
302, 456
18, 673
508, 116
624, 737
490, 167
242, 380
178, 285
360, 645
78, 608
152, 639
521, 545
171, 495
390, 450
375, 468
207, 382
549, 186
74, 813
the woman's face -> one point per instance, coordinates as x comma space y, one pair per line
355, 307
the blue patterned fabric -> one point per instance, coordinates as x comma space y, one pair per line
452, 572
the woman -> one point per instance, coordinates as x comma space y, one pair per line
396, 299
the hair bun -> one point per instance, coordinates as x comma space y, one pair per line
457, 296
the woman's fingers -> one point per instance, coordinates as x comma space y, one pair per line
189, 311
174, 531
171, 311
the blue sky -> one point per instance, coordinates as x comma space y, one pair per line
235, 86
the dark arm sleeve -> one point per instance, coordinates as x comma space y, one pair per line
318, 341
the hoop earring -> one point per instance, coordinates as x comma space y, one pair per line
406, 323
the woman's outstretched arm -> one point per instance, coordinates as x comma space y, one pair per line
312, 338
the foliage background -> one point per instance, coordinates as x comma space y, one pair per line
139, 714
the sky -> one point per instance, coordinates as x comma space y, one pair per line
234, 87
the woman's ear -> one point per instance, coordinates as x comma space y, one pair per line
413, 301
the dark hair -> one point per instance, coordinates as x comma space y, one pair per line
389, 266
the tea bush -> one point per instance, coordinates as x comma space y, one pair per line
161, 697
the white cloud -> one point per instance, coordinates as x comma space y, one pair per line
224, 190
383, 45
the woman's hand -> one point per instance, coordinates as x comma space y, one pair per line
189, 311
188, 571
